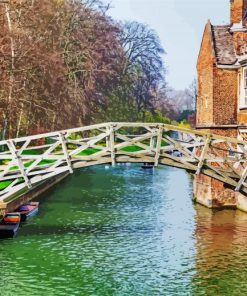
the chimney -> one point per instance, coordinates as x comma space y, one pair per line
238, 9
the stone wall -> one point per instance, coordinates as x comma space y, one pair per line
213, 193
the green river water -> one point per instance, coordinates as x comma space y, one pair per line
126, 231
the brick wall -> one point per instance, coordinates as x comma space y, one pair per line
205, 69
225, 96
212, 193
240, 41
238, 8
226, 132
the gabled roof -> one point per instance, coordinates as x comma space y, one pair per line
223, 45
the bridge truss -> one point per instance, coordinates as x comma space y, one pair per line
28, 161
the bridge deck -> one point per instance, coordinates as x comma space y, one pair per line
26, 162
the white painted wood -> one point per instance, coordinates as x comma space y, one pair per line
112, 144
188, 142
18, 161
242, 179
65, 152
203, 155
158, 145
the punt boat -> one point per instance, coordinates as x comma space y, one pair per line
28, 210
147, 165
9, 225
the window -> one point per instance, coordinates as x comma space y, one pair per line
243, 101
245, 86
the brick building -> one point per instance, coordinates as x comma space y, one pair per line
222, 75
222, 96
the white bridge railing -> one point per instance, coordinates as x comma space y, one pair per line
26, 162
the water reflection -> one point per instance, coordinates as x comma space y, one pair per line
125, 231
221, 253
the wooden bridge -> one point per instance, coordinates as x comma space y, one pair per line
29, 161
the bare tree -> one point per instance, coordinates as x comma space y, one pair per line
59, 62
143, 63
192, 93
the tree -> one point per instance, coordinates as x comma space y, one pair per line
65, 63
143, 63
66, 56
192, 94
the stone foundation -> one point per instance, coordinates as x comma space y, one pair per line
214, 194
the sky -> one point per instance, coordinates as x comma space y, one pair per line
179, 24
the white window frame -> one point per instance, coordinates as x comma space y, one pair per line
243, 95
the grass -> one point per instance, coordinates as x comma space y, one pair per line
135, 148
132, 148
164, 143
28, 164
32, 152
86, 152
5, 184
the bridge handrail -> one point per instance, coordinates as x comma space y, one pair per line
200, 152
126, 124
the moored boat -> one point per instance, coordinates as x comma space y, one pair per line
9, 225
28, 210
147, 165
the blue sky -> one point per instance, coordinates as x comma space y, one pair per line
179, 24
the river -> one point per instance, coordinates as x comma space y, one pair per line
126, 231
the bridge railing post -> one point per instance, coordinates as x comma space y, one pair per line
111, 143
152, 143
199, 152
17, 159
65, 152
203, 155
158, 145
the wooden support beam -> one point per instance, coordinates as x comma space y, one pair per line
158, 145
18, 161
203, 154
112, 145
39, 158
65, 152
134, 141
242, 179
225, 169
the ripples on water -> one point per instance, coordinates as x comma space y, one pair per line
126, 231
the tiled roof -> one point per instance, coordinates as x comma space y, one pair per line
223, 45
